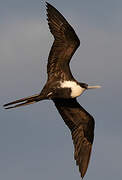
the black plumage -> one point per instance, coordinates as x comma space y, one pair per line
79, 121
81, 125
65, 44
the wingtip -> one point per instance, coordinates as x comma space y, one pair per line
48, 4
82, 175
47, 7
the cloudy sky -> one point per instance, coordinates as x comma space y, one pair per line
34, 141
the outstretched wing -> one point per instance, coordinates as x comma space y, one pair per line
65, 44
81, 125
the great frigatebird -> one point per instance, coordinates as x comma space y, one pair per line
62, 88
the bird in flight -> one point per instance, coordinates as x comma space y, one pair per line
62, 88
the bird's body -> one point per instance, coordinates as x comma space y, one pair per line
62, 88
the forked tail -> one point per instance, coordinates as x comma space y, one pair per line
25, 101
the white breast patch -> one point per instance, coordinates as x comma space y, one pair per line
76, 90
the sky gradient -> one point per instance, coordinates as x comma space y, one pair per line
35, 143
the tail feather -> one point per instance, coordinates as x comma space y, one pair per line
26, 101
19, 105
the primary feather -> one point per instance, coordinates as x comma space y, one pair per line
81, 125
65, 44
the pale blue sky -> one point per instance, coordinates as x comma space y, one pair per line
34, 141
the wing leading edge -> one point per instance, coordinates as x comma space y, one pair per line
81, 125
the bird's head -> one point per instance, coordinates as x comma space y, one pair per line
86, 86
